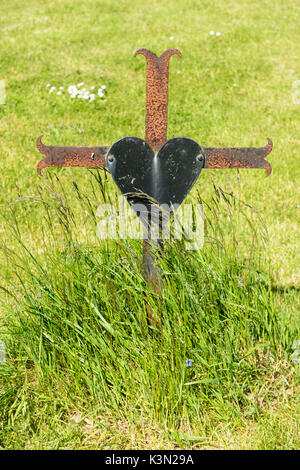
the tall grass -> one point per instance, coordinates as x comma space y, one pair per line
76, 327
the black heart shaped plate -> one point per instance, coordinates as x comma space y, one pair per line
145, 177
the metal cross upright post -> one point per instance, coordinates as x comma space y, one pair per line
178, 161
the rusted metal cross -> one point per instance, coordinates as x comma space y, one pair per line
130, 160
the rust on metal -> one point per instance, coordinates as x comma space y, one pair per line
157, 95
156, 136
90, 157
156, 130
243, 157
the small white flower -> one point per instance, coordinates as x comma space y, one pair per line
103, 87
92, 87
218, 34
48, 84
171, 38
58, 93
211, 32
80, 84
92, 97
73, 91
235, 84
61, 87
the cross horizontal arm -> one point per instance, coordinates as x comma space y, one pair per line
243, 157
89, 157
94, 157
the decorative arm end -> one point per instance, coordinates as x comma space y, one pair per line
89, 157
243, 157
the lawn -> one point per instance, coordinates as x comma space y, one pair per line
83, 368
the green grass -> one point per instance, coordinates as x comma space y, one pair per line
83, 369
